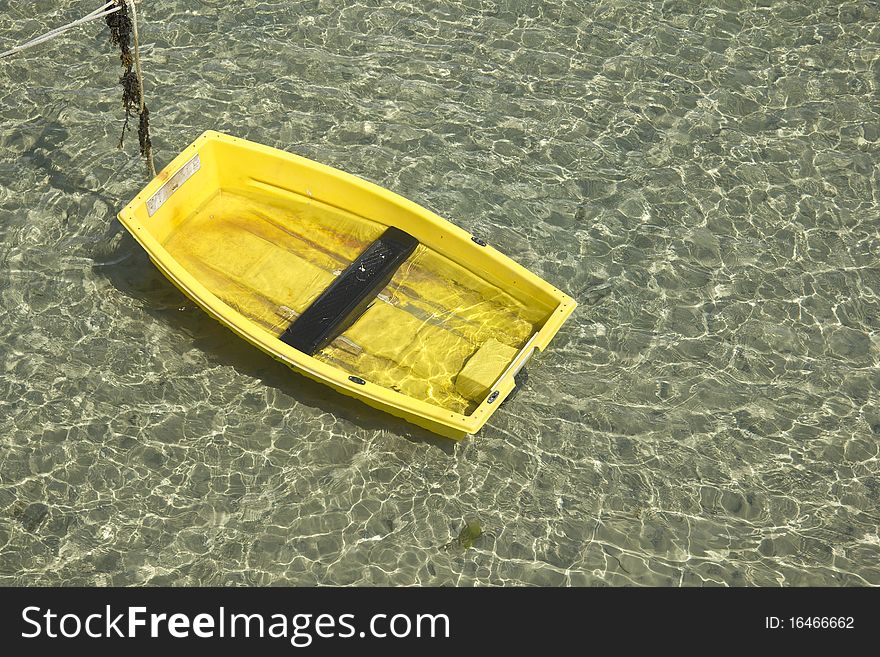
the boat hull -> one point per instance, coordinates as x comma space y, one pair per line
254, 235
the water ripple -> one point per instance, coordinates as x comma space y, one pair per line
700, 175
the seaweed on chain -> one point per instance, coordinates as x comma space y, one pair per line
121, 29
144, 133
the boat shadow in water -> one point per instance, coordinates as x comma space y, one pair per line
129, 270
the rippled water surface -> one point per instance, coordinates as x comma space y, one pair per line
702, 176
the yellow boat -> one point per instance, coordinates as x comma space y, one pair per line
346, 282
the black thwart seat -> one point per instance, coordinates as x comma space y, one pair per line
339, 306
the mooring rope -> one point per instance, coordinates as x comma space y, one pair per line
58, 31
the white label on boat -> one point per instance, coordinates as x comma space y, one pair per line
165, 192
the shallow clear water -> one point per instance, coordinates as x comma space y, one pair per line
701, 176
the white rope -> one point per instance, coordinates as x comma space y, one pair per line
64, 28
58, 31
87, 17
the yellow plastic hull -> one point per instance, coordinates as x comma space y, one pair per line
242, 229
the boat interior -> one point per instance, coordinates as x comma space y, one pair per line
434, 330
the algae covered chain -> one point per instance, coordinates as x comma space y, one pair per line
124, 35
346, 282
